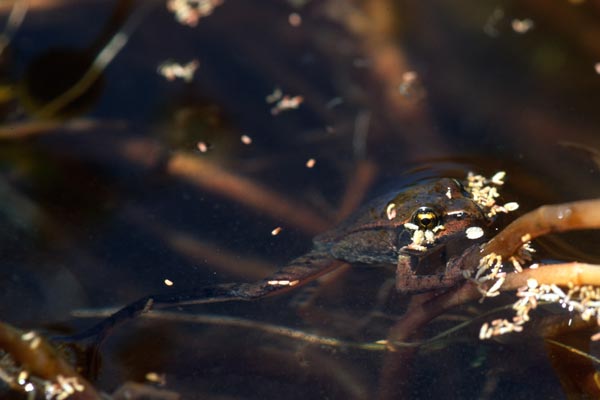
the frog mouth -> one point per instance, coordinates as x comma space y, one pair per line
423, 243
431, 262
434, 258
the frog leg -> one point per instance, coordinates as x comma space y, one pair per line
299, 272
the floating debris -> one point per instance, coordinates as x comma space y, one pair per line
22, 377
498, 178
584, 300
311, 163
474, 232
189, 12
490, 27
247, 140
173, 70
512, 206
597, 67
276, 231
157, 378
410, 86
203, 147
63, 388
287, 103
498, 327
421, 237
295, 20
33, 339
522, 25
485, 192
168, 282
489, 268
336, 101
274, 96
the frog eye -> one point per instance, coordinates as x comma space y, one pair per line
426, 218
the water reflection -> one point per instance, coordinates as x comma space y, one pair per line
100, 208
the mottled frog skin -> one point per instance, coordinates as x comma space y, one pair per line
420, 230
371, 237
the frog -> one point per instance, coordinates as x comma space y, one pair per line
420, 230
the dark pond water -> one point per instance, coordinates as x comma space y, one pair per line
104, 198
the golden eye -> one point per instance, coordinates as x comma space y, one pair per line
426, 218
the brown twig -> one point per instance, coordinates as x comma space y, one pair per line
140, 391
583, 214
377, 28
226, 320
356, 188
39, 359
396, 370
546, 219
32, 128
559, 274
243, 267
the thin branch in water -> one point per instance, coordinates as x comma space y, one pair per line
278, 330
15, 19
572, 349
224, 320
213, 178
31, 128
103, 58
546, 219
201, 251
564, 217
357, 186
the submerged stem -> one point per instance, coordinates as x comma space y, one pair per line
576, 215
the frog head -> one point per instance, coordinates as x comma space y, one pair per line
434, 216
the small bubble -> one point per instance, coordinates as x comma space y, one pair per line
522, 25
474, 232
